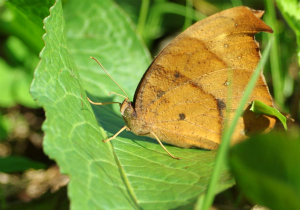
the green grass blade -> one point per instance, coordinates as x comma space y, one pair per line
143, 15
291, 13
225, 143
275, 63
188, 20
236, 3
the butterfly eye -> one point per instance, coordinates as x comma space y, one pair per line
126, 107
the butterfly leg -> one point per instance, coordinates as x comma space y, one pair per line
164, 147
114, 136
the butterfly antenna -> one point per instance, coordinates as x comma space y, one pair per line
110, 76
117, 94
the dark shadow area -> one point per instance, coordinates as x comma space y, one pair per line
58, 200
255, 123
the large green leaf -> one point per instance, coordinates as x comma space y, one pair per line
130, 172
71, 131
267, 169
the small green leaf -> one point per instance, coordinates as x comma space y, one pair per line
261, 108
267, 169
12, 164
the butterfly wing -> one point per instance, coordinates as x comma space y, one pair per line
184, 95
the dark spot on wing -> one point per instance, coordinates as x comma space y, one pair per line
221, 105
181, 116
166, 101
160, 93
176, 75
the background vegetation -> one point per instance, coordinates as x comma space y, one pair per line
119, 34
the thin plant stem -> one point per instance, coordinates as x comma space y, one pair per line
152, 29
188, 19
155, 17
143, 16
275, 63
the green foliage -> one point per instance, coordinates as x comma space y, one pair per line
26, 13
33, 10
267, 169
12, 164
5, 127
21, 41
20, 50
290, 9
15, 80
275, 62
130, 172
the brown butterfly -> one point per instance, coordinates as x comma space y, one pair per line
183, 97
